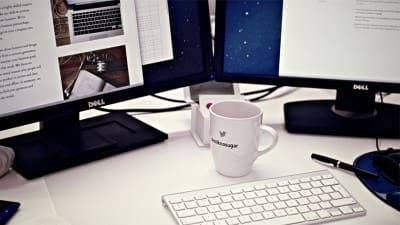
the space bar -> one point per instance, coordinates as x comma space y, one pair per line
292, 219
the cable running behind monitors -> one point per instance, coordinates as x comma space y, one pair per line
337, 44
63, 139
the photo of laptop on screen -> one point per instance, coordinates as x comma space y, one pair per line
91, 20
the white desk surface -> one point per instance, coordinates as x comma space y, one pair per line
127, 188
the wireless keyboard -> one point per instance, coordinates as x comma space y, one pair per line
307, 198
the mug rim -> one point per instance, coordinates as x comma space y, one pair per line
260, 112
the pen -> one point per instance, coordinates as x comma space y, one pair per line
342, 165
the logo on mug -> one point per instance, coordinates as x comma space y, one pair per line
223, 144
222, 133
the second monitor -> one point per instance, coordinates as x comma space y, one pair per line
324, 44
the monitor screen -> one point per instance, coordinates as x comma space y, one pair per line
83, 61
346, 45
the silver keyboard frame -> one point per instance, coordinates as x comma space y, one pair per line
166, 198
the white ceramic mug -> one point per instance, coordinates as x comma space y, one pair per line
235, 129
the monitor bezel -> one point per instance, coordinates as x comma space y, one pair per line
67, 107
273, 79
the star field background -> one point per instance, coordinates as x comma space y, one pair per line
186, 43
252, 36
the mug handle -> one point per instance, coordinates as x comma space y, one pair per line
264, 149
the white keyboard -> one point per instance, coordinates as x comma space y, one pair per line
307, 198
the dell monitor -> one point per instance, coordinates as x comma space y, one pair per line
59, 58
350, 46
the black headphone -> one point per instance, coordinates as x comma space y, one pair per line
7, 156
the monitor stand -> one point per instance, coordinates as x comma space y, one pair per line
353, 113
66, 141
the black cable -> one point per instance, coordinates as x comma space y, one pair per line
148, 110
259, 91
168, 99
179, 107
245, 93
271, 90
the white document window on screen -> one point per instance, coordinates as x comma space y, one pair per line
154, 31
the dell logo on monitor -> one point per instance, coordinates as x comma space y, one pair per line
361, 87
96, 103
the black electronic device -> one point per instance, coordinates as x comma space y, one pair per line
319, 44
387, 162
382, 187
63, 139
7, 210
394, 199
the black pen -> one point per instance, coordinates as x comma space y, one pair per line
342, 165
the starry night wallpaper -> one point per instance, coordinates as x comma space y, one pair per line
252, 36
187, 43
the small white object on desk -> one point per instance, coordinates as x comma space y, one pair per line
200, 117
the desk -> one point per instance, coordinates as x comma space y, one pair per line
127, 188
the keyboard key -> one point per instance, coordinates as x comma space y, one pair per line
174, 201
192, 220
186, 213
249, 202
294, 181
292, 219
279, 212
268, 215
201, 211
261, 193
209, 217
225, 206
215, 201
227, 199
245, 211
247, 189
325, 205
311, 216
232, 221
179, 206
269, 207
233, 213
221, 215
344, 201
220, 222
358, 209
203, 202
303, 208
260, 187
200, 197
237, 205
191, 205
256, 217
323, 214
260, 201
329, 182
271, 185
244, 219
225, 193
291, 211
316, 178
283, 183
346, 209
336, 212
213, 208
257, 209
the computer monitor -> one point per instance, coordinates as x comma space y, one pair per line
351, 46
94, 72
